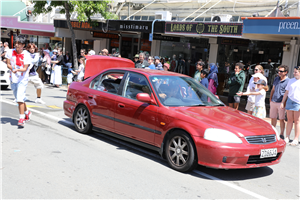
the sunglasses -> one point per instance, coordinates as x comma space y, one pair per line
297, 67
281, 71
256, 69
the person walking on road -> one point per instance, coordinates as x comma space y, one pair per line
236, 84
292, 100
33, 75
18, 61
276, 96
258, 73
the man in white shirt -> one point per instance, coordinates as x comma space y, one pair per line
18, 61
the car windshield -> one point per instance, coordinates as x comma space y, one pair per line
182, 91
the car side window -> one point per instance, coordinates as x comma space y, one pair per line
110, 82
94, 83
135, 84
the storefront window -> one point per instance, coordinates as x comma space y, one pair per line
250, 53
43, 42
188, 49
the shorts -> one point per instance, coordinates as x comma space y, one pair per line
292, 105
259, 112
234, 99
250, 106
19, 90
70, 78
276, 110
36, 81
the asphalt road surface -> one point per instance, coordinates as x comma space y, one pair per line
48, 159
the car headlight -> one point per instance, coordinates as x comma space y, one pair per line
277, 133
220, 135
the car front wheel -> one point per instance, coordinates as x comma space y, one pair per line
82, 120
180, 152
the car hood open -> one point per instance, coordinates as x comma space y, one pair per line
227, 118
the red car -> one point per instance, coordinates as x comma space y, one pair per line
174, 115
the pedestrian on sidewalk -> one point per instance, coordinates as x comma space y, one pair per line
276, 96
157, 63
70, 75
56, 76
213, 78
141, 63
47, 60
81, 69
18, 61
199, 68
151, 63
292, 100
236, 83
258, 73
33, 75
260, 96
166, 67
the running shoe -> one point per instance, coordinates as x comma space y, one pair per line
28, 116
21, 122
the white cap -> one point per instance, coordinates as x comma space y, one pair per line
259, 75
54, 50
91, 52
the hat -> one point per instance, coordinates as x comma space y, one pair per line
258, 75
167, 65
54, 50
136, 56
261, 82
156, 58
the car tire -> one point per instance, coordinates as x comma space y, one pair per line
82, 120
180, 152
4, 87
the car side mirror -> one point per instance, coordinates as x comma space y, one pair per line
145, 97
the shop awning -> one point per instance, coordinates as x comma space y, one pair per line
11, 7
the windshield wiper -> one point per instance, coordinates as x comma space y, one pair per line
198, 105
219, 104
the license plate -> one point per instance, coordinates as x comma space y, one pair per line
267, 153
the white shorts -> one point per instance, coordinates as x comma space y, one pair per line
19, 90
70, 78
36, 81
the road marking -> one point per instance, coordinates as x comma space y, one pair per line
32, 106
230, 185
151, 154
54, 107
57, 119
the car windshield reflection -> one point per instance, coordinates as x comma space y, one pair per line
182, 91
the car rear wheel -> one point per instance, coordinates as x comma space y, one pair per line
82, 120
180, 152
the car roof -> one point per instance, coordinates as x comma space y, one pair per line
149, 72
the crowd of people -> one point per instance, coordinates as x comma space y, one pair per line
44, 66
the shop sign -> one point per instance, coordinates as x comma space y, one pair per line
280, 26
130, 25
105, 35
81, 25
39, 33
196, 28
166, 38
14, 22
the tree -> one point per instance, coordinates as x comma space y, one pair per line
85, 10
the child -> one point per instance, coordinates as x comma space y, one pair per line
203, 75
260, 108
80, 70
70, 75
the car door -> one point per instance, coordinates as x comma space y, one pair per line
132, 117
105, 92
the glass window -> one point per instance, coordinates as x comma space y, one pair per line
137, 17
144, 17
151, 17
110, 82
135, 83
182, 91
94, 83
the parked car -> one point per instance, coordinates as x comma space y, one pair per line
174, 115
4, 75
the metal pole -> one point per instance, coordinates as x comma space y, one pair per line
128, 10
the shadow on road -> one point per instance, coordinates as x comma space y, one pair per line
12, 122
227, 175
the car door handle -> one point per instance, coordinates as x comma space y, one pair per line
121, 105
90, 96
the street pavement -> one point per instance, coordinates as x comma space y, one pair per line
48, 159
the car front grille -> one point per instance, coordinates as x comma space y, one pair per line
262, 139
258, 160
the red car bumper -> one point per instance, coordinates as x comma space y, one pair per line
69, 108
235, 156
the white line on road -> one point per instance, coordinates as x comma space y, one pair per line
151, 154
